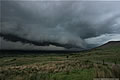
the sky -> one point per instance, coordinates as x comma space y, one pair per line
58, 24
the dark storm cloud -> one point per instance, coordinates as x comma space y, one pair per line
63, 22
18, 45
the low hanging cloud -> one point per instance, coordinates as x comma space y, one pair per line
18, 45
67, 24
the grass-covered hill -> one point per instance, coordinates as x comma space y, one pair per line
111, 44
109, 52
100, 62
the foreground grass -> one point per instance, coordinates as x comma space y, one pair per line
83, 66
76, 75
54, 68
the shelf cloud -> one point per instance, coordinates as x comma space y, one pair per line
66, 24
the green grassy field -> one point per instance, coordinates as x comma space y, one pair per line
96, 63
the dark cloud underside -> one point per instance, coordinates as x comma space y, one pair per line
68, 24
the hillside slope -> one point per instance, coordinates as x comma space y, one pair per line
111, 44
110, 52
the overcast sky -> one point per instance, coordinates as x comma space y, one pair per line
79, 23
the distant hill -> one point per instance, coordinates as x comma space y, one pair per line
109, 52
110, 44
